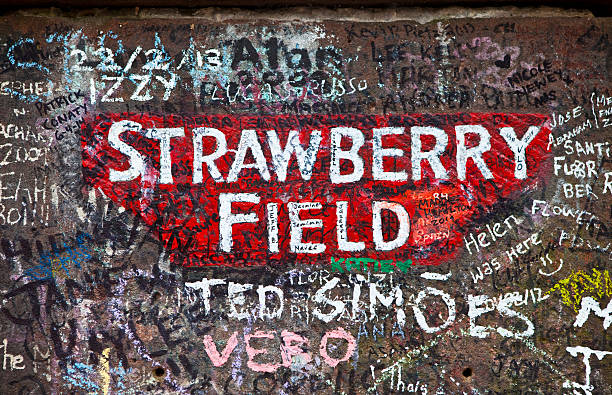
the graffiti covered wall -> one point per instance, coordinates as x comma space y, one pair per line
258, 206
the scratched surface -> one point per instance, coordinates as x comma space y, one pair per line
190, 206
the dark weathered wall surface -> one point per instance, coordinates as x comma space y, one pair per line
128, 269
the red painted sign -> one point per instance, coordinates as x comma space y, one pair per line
252, 190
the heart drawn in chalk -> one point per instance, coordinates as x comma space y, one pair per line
503, 64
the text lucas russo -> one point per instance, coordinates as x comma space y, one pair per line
246, 190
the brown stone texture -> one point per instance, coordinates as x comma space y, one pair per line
92, 303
